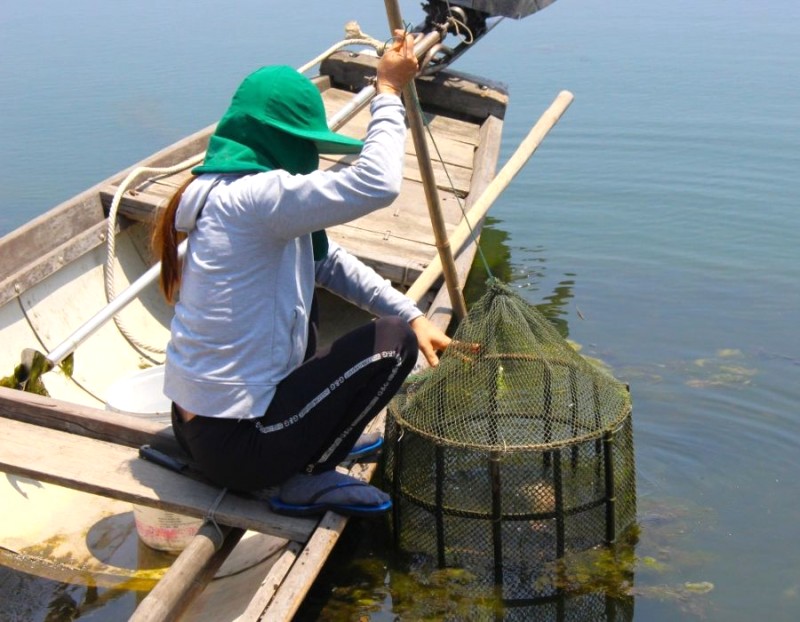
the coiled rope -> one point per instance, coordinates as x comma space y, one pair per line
111, 245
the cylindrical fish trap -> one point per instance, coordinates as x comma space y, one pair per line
511, 453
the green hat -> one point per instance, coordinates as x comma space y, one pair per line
276, 120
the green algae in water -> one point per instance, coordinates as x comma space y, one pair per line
647, 563
722, 370
726, 368
27, 376
602, 569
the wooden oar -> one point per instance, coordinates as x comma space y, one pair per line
417, 127
501, 181
192, 571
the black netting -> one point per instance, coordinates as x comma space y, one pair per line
514, 451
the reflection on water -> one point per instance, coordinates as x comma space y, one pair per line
657, 227
65, 578
494, 260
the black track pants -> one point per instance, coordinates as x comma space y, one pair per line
316, 416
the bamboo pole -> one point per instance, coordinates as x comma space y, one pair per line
417, 127
515, 163
188, 575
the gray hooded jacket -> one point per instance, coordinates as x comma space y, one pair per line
241, 323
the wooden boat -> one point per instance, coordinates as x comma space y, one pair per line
73, 475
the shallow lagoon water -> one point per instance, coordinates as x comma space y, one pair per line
657, 226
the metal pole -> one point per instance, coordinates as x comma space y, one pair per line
126, 296
417, 127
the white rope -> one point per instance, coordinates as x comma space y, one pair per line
353, 36
458, 25
111, 238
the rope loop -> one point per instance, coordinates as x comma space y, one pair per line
210, 516
111, 253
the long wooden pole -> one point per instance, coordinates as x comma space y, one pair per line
523, 153
188, 575
417, 127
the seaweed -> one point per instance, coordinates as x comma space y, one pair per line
27, 376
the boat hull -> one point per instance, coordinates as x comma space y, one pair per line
57, 283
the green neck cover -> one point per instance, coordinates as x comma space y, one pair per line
276, 120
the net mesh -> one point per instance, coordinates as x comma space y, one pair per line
524, 388
512, 452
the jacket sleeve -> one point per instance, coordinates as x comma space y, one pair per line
295, 205
347, 276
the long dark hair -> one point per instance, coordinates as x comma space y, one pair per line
164, 242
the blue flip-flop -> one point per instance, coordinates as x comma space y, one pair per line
313, 508
362, 452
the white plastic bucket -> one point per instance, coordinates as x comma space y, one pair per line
141, 394
164, 531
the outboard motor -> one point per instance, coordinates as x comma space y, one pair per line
504, 8
469, 20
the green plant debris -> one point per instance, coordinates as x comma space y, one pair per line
721, 370
686, 599
68, 365
701, 587
652, 563
727, 367
27, 376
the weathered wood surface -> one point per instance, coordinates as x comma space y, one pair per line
282, 603
272, 582
115, 471
90, 422
44, 245
26, 244
485, 165
459, 94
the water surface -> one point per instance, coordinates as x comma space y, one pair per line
657, 225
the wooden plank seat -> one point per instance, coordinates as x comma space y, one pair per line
112, 469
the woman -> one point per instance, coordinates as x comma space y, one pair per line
253, 402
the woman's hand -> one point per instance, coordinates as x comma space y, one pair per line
398, 65
430, 339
